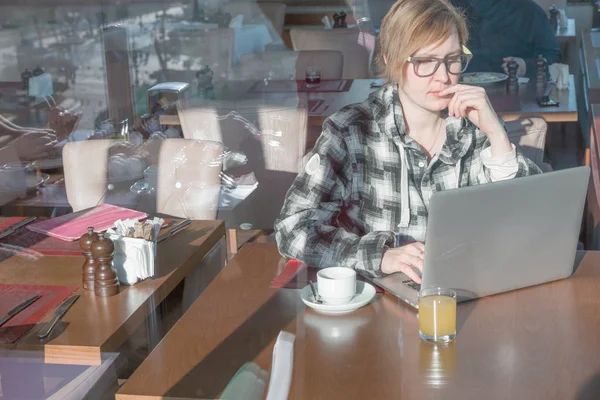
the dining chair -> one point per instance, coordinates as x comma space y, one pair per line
356, 57
286, 64
85, 166
258, 13
188, 184
272, 136
529, 135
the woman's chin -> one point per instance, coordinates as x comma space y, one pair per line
438, 104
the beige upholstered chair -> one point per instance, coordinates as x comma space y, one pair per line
271, 136
188, 182
258, 12
356, 57
188, 178
529, 135
85, 166
285, 64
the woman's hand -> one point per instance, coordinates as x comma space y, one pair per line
472, 102
407, 259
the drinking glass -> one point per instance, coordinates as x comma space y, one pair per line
437, 315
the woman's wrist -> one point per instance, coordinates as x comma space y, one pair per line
499, 143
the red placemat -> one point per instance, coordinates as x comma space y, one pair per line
70, 227
26, 243
333, 85
296, 275
10, 222
13, 295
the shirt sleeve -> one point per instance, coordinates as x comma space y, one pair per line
308, 227
502, 167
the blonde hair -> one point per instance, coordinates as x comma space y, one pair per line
411, 25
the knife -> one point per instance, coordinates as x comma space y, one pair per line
174, 230
16, 226
18, 309
60, 311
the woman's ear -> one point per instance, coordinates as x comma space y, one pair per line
385, 59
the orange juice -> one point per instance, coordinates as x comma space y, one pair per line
437, 318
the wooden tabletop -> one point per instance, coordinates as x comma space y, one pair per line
95, 324
541, 342
525, 107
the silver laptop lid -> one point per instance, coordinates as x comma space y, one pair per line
501, 236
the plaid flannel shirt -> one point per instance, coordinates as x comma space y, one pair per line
368, 185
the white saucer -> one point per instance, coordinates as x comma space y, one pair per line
364, 294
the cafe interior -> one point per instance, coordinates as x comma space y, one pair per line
146, 149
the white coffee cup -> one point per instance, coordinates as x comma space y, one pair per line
336, 285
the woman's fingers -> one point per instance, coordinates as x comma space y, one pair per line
407, 269
477, 98
415, 250
413, 261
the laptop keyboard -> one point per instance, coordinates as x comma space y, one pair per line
412, 284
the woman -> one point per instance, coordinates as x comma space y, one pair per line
362, 199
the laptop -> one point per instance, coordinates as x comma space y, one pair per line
493, 238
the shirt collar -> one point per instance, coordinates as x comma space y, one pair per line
390, 119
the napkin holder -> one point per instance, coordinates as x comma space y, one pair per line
133, 257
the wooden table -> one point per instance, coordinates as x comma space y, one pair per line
526, 107
95, 324
541, 342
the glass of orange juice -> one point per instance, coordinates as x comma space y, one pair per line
437, 315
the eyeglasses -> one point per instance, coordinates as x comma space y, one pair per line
427, 66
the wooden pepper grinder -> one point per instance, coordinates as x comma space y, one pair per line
106, 283
512, 84
541, 78
89, 266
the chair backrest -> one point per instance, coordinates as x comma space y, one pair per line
286, 64
273, 139
188, 182
271, 133
213, 47
85, 167
356, 57
258, 13
188, 178
529, 135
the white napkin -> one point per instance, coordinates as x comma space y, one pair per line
133, 258
559, 75
237, 21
